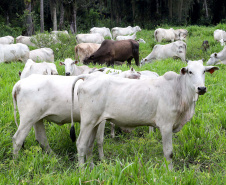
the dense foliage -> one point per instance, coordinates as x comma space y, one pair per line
135, 158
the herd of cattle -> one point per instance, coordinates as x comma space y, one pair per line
127, 99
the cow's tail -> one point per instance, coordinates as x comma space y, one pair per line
14, 94
72, 130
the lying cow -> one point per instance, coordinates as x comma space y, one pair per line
173, 50
105, 32
117, 31
46, 97
6, 40
84, 50
71, 69
167, 103
14, 52
218, 58
111, 51
89, 38
42, 54
133, 37
25, 40
38, 68
220, 36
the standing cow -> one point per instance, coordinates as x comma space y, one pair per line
118, 31
105, 32
167, 103
89, 38
111, 51
173, 50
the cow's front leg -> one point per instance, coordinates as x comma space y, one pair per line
166, 132
112, 130
100, 139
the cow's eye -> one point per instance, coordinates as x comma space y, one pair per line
190, 72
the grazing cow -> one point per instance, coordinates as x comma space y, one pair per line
105, 32
89, 38
167, 34
133, 37
217, 58
84, 50
46, 97
59, 32
111, 51
71, 69
167, 103
173, 50
6, 40
25, 40
220, 36
140, 40
38, 68
43, 54
14, 52
117, 31
180, 34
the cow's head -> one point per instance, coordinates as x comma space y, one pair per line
213, 59
87, 60
195, 75
132, 74
69, 66
143, 61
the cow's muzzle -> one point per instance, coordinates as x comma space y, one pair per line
201, 90
67, 74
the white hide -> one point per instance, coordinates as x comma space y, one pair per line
71, 69
167, 102
133, 37
84, 50
105, 32
59, 32
89, 38
140, 40
6, 40
46, 97
217, 58
42, 54
167, 34
220, 36
14, 52
25, 40
118, 31
38, 68
173, 50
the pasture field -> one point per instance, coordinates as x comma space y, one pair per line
134, 158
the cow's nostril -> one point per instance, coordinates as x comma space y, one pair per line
201, 90
68, 74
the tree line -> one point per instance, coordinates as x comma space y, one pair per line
80, 15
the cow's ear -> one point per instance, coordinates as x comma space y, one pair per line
76, 61
145, 59
62, 63
215, 54
183, 70
19, 73
131, 69
211, 69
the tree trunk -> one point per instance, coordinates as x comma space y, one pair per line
157, 6
29, 23
133, 8
61, 24
206, 8
180, 10
170, 6
73, 25
53, 14
41, 16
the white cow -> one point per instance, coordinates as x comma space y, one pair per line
105, 32
217, 58
71, 69
167, 34
140, 40
84, 50
180, 34
42, 54
59, 32
118, 31
14, 52
6, 40
167, 103
25, 40
126, 37
46, 97
89, 38
173, 50
220, 36
38, 68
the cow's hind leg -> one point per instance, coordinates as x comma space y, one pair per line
100, 139
21, 134
40, 135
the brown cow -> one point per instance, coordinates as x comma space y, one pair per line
111, 51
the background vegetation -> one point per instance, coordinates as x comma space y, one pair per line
135, 158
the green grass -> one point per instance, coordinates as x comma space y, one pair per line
135, 158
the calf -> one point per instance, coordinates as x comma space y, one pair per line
167, 103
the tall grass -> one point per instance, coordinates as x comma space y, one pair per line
135, 158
